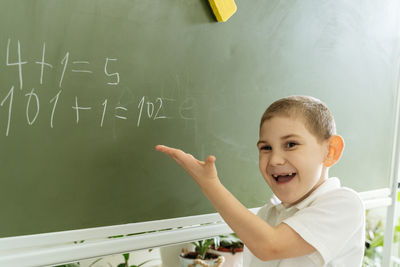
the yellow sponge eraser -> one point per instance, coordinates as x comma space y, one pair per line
223, 9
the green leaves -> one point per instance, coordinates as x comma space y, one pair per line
373, 242
229, 241
126, 257
202, 246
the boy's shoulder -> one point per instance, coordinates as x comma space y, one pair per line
331, 195
341, 198
341, 192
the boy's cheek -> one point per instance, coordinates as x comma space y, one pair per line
262, 165
263, 157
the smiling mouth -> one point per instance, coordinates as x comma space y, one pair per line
281, 179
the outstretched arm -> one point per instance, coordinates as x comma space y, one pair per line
264, 241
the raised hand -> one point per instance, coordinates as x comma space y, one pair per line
203, 172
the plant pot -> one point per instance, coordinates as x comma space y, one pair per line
229, 250
170, 254
231, 260
189, 259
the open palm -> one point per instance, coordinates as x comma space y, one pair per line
202, 172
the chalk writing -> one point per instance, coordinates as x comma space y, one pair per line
81, 70
55, 100
158, 116
150, 110
43, 63
144, 107
121, 117
77, 108
29, 95
116, 74
140, 107
11, 96
64, 62
104, 112
186, 109
19, 63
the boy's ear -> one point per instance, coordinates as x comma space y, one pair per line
335, 149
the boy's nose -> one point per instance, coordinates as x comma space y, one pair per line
277, 159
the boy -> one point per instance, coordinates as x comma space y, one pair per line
311, 220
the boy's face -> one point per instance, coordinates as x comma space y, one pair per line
291, 158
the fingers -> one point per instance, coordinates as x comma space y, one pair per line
161, 148
176, 154
169, 150
210, 164
201, 171
210, 160
180, 156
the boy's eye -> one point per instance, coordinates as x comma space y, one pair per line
291, 144
266, 147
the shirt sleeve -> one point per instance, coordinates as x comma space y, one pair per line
329, 223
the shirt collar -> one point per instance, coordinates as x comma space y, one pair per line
328, 185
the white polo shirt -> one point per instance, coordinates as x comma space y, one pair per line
331, 219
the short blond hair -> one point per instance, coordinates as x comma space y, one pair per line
317, 117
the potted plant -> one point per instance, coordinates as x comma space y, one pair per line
169, 254
201, 257
373, 243
231, 248
228, 243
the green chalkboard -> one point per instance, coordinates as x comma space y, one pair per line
89, 87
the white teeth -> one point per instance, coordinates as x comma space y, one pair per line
277, 175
